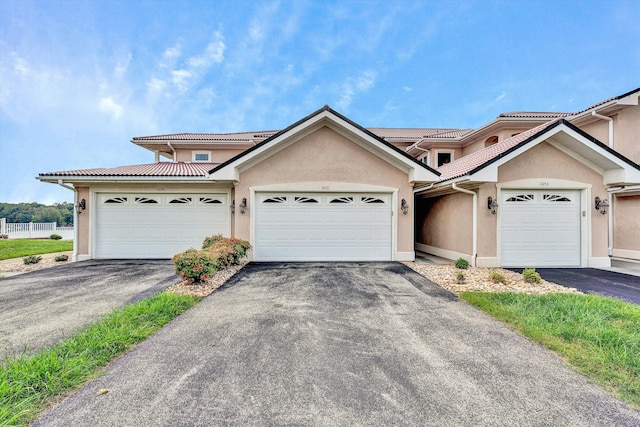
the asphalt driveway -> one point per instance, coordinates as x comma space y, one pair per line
40, 308
342, 345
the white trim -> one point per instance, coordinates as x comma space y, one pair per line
442, 253
323, 187
600, 262
194, 153
626, 253
84, 257
405, 256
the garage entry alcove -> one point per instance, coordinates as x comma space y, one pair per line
323, 226
146, 225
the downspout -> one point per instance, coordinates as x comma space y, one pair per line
76, 226
174, 151
610, 120
474, 253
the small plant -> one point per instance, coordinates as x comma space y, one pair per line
62, 257
462, 263
497, 277
459, 277
217, 253
33, 259
531, 276
55, 237
4, 236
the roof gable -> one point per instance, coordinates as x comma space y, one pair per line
231, 169
482, 165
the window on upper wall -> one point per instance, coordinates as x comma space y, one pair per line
201, 156
424, 159
444, 157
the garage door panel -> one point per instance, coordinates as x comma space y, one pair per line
540, 228
323, 230
129, 229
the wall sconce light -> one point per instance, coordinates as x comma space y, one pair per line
601, 205
404, 207
81, 205
233, 207
243, 205
492, 205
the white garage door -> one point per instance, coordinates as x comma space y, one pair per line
157, 226
323, 227
540, 228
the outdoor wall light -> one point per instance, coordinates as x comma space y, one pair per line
492, 205
243, 205
601, 205
82, 205
404, 207
233, 207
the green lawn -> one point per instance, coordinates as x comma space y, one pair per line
24, 247
29, 383
598, 336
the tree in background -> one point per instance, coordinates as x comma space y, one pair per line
60, 213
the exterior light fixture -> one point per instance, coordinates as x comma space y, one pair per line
233, 207
492, 205
601, 205
243, 205
81, 205
404, 207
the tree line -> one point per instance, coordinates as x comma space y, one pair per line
60, 213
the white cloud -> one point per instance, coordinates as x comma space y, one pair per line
181, 79
122, 67
365, 81
501, 96
213, 53
359, 84
170, 56
109, 106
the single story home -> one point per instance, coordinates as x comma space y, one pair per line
527, 189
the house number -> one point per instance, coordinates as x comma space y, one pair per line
544, 184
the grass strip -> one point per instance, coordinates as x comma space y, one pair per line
28, 383
24, 247
598, 336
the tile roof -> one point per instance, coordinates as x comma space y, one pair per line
236, 136
534, 115
470, 162
161, 169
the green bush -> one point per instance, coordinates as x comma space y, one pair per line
33, 259
4, 236
531, 276
61, 258
462, 263
459, 277
55, 237
218, 253
497, 277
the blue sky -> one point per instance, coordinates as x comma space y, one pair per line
79, 79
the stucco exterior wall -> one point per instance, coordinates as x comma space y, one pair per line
217, 155
326, 157
545, 161
487, 223
626, 211
626, 133
84, 219
446, 223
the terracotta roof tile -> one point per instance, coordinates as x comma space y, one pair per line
161, 169
466, 164
534, 115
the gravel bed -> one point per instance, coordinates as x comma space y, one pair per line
17, 265
477, 279
205, 288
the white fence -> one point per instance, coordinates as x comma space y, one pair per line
33, 230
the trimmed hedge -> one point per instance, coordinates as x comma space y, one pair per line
217, 253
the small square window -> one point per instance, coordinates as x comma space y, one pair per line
443, 158
200, 157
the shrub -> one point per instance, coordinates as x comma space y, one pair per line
63, 257
4, 236
33, 259
531, 276
497, 277
218, 253
462, 263
459, 277
55, 237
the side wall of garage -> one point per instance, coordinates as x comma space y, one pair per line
329, 162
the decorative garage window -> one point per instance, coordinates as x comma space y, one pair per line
552, 198
275, 199
341, 200
521, 198
145, 200
302, 199
210, 201
116, 200
372, 200
180, 201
